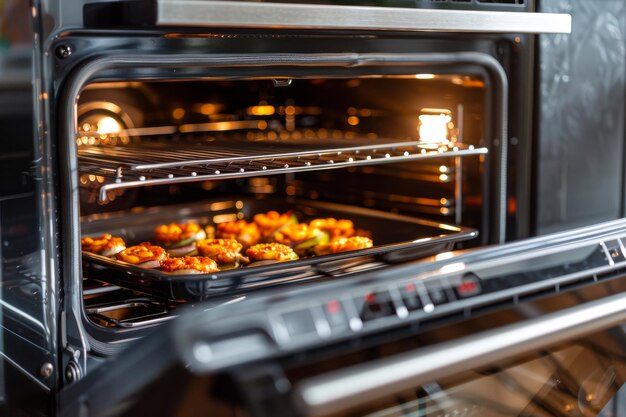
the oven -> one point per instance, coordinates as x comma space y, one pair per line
416, 126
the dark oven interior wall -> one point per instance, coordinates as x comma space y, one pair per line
323, 105
582, 89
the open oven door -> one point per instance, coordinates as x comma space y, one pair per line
533, 328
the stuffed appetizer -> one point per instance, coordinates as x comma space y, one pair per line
245, 233
226, 252
179, 239
271, 252
145, 255
105, 245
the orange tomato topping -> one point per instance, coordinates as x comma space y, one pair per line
345, 244
99, 244
294, 233
334, 227
143, 252
167, 234
246, 233
271, 221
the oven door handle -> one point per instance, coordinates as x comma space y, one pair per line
220, 13
339, 390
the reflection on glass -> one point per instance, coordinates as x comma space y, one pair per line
584, 379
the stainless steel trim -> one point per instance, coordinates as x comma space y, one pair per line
310, 16
338, 390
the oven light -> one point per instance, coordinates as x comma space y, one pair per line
261, 110
178, 113
434, 127
353, 120
424, 76
108, 125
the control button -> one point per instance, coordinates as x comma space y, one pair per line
469, 286
299, 323
374, 305
437, 296
615, 250
336, 315
410, 296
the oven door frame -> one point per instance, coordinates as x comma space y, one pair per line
78, 332
240, 347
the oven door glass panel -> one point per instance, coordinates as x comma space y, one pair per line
585, 378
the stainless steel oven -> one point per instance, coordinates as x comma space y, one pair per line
417, 124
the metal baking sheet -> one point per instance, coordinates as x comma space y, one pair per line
396, 238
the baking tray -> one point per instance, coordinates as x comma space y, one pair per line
396, 238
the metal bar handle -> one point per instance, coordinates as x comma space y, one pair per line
311, 16
339, 390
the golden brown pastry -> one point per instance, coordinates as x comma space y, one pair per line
105, 245
189, 265
222, 251
271, 252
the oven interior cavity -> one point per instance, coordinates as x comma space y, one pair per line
402, 159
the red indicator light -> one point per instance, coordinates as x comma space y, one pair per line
370, 297
467, 287
410, 287
333, 307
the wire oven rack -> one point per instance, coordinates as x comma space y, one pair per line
159, 163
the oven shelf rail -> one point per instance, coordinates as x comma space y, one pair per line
139, 166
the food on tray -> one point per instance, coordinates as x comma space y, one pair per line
271, 252
245, 233
226, 252
345, 244
301, 237
272, 221
271, 237
105, 245
189, 265
145, 255
334, 227
179, 238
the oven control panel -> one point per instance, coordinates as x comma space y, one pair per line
454, 288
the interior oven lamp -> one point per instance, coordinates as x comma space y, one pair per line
102, 124
435, 128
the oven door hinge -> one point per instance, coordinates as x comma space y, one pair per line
74, 355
